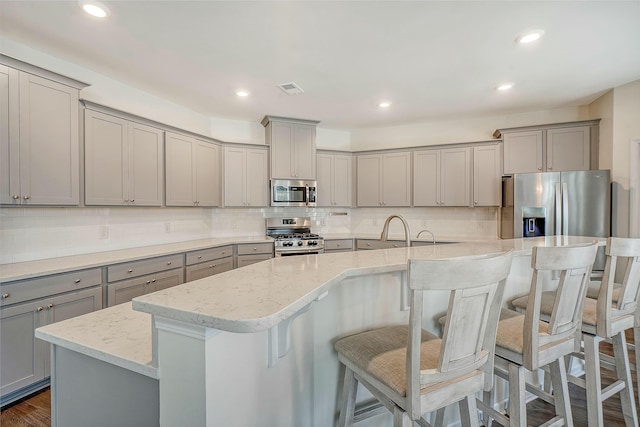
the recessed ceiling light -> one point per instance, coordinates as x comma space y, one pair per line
242, 93
502, 87
529, 36
384, 104
95, 8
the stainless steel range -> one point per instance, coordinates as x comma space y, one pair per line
293, 236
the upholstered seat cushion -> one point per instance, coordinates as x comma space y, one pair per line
382, 353
510, 330
546, 305
594, 289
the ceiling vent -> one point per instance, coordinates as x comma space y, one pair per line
291, 88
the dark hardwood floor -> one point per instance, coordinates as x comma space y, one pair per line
36, 411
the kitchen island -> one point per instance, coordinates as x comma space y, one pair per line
252, 346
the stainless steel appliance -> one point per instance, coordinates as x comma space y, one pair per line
576, 203
286, 192
293, 236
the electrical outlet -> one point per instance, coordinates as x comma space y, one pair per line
104, 232
167, 227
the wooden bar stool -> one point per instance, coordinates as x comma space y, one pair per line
607, 317
525, 342
413, 372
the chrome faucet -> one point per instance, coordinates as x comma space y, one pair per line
385, 229
433, 237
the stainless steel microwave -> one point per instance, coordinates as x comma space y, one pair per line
286, 192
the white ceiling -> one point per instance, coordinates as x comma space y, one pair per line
432, 59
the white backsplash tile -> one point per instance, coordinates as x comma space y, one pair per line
35, 233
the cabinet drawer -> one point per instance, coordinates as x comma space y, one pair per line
205, 255
125, 291
244, 260
377, 244
145, 266
255, 248
338, 245
48, 285
206, 269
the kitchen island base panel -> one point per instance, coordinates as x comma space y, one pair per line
88, 392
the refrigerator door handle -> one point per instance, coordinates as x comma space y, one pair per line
565, 209
558, 214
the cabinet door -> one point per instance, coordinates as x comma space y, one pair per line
125, 291
9, 137
180, 185
305, 152
523, 152
207, 174
396, 181
49, 150
257, 185
568, 149
368, 180
455, 176
282, 150
325, 179
234, 176
165, 280
342, 180
426, 178
146, 156
206, 269
487, 176
105, 159
21, 354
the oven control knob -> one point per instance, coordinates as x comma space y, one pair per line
299, 242
288, 243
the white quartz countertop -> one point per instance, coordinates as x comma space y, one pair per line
259, 296
30, 269
249, 299
117, 335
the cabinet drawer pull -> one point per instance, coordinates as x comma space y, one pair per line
39, 308
77, 280
5, 296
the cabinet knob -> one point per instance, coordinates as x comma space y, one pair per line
255, 249
475, 203
16, 197
550, 168
169, 263
50, 306
148, 282
126, 200
77, 280
212, 265
199, 256
133, 200
130, 270
26, 197
338, 244
5, 296
539, 169
153, 281
39, 308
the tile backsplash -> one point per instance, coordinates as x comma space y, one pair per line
36, 233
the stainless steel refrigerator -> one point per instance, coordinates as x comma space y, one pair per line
576, 203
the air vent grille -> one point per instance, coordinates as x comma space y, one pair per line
291, 88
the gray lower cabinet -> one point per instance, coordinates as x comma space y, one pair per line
126, 290
24, 359
338, 245
370, 244
207, 262
250, 253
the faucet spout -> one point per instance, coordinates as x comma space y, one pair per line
385, 229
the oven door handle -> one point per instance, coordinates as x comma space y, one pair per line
308, 194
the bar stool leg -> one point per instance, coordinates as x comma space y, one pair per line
517, 404
561, 391
624, 374
592, 379
348, 404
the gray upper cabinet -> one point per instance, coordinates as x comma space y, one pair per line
38, 141
293, 147
246, 177
123, 162
558, 147
442, 177
335, 179
487, 175
384, 179
192, 171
